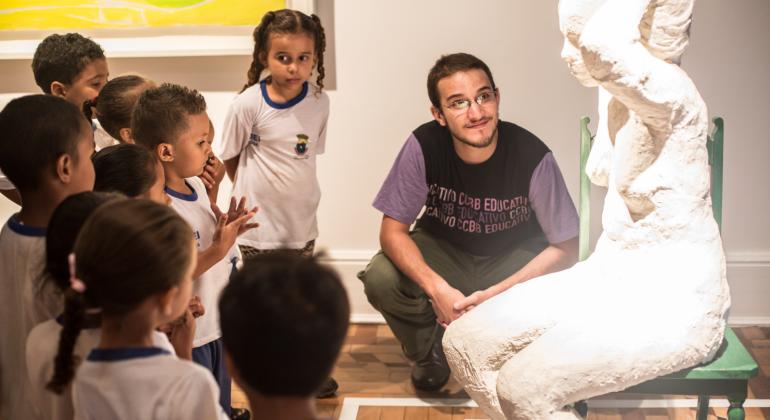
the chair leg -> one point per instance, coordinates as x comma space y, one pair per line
736, 411
703, 407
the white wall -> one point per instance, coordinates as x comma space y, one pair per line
383, 51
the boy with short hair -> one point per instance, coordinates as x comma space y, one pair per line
301, 307
45, 150
69, 66
171, 121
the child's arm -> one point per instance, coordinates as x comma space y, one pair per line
231, 166
229, 226
182, 334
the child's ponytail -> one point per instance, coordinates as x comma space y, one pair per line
65, 362
320, 47
261, 33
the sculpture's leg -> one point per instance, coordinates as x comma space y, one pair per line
588, 356
481, 341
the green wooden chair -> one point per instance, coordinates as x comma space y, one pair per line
729, 373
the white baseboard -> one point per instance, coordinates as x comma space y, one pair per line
748, 274
747, 321
366, 318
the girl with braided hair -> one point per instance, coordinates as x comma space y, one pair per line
273, 132
275, 128
132, 265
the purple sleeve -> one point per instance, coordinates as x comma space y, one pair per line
551, 202
405, 190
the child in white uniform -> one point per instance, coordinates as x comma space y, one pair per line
45, 145
275, 129
43, 340
171, 120
133, 259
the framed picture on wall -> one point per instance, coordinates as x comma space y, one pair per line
139, 28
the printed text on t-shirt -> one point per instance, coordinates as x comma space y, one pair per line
466, 213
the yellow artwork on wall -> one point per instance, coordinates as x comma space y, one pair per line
129, 14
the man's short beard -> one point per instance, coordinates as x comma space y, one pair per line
481, 145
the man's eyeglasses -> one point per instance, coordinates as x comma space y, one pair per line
482, 99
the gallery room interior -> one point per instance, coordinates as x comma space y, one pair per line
377, 58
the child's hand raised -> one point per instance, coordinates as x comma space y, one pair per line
231, 224
235, 213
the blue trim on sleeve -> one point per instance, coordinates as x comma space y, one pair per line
124, 353
15, 225
294, 101
183, 196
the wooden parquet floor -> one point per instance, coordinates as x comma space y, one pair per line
371, 365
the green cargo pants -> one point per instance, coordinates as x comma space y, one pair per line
406, 307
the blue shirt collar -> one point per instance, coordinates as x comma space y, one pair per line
182, 196
124, 353
294, 101
15, 225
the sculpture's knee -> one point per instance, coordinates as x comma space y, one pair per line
520, 394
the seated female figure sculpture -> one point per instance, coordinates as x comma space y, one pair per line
652, 298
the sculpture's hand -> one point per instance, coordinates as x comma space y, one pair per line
443, 300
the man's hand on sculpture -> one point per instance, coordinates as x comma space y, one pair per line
443, 300
467, 303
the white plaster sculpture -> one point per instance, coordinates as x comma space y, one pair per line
652, 298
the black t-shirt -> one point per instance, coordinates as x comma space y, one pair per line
482, 208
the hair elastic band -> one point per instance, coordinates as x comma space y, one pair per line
75, 283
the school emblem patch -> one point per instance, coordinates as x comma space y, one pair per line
302, 144
254, 139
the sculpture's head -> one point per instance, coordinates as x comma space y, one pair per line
665, 29
573, 17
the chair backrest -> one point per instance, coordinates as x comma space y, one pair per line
714, 145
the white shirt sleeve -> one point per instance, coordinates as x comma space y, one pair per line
197, 397
236, 130
321, 146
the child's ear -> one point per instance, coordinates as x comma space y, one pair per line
64, 168
58, 89
125, 135
166, 302
165, 152
438, 115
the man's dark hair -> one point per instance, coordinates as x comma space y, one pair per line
35, 131
284, 318
161, 114
61, 58
450, 64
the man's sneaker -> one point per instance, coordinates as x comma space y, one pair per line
431, 372
328, 389
240, 414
